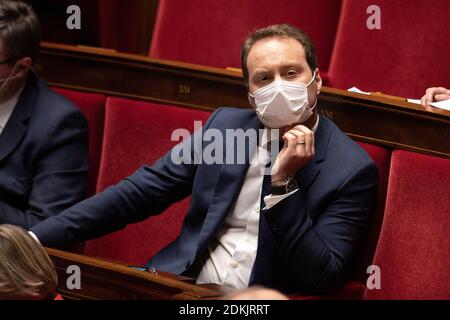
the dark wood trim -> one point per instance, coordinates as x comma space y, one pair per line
389, 122
101, 279
385, 120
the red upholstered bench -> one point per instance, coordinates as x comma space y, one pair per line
93, 107
413, 251
364, 256
386, 59
201, 32
138, 133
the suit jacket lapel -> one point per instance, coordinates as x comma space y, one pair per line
309, 172
16, 126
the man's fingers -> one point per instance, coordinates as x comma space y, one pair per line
435, 94
440, 90
423, 101
300, 135
290, 139
442, 97
297, 142
308, 138
308, 148
427, 98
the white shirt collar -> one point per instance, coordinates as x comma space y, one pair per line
7, 108
316, 125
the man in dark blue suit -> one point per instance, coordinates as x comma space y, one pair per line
293, 229
43, 137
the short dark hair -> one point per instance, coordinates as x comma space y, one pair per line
278, 30
20, 30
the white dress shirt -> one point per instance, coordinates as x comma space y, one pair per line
7, 108
232, 251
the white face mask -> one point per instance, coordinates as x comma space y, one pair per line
8, 78
282, 103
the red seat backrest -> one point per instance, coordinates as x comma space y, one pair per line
413, 251
121, 25
211, 32
404, 57
93, 107
364, 257
138, 133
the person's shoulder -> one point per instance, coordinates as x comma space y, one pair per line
51, 104
341, 147
51, 111
231, 116
233, 112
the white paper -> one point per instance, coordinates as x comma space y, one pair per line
355, 89
416, 101
444, 104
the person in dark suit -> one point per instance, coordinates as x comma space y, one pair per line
43, 137
294, 229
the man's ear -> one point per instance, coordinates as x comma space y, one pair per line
23, 66
318, 81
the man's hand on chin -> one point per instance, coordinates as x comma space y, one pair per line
298, 149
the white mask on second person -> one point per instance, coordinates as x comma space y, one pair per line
282, 103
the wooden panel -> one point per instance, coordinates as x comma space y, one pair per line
101, 279
389, 122
140, 77
386, 120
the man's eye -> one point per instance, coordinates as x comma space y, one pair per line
292, 73
263, 79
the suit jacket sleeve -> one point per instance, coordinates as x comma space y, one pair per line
59, 178
149, 191
318, 252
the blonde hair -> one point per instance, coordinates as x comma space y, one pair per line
26, 271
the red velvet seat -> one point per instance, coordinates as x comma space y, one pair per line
382, 157
404, 57
138, 133
122, 26
93, 107
413, 251
210, 32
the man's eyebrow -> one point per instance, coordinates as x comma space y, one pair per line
293, 65
259, 71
